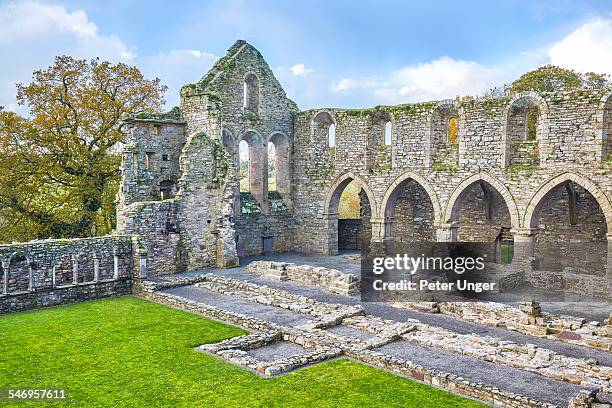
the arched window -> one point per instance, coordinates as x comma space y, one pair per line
272, 168
388, 133
243, 151
331, 135
324, 126
278, 165
251, 93
524, 131
167, 189
453, 129
523, 119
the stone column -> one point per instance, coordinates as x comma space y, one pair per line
447, 232
140, 253
5, 270
609, 261
75, 270
96, 269
524, 245
331, 222
115, 264
53, 271
378, 241
142, 260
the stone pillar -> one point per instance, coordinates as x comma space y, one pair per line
75, 270
331, 221
389, 227
524, 245
115, 264
96, 269
5, 270
142, 261
140, 253
53, 271
378, 241
378, 229
31, 271
609, 260
447, 232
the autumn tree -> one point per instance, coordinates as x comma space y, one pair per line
550, 78
59, 171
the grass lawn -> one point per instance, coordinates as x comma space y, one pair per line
128, 352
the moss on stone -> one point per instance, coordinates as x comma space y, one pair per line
445, 167
173, 114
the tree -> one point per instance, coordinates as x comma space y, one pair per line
550, 78
60, 167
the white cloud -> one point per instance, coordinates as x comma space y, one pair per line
350, 84
588, 48
300, 69
438, 79
32, 34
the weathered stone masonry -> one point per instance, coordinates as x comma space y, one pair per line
52, 272
493, 180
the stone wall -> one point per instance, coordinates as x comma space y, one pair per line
348, 234
330, 279
491, 182
51, 272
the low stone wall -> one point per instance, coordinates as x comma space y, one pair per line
66, 294
567, 281
531, 321
330, 279
51, 272
446, 381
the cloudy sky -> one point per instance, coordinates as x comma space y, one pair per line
325, 53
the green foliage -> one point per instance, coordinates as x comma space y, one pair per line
551, 78
128, 352
60, 167
221, 159
350, 205
172, 114
382, 162
445, 167
325, 170
250, 114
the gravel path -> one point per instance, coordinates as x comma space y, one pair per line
269, 313
506, 378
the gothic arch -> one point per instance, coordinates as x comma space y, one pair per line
319, 125
282, 162
422, 182
451, 212
534, 207
251, 92
334, 192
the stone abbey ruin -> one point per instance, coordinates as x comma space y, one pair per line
492, 181
529, 173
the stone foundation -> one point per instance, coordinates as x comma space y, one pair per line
330, 279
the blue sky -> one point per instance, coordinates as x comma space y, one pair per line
332, 53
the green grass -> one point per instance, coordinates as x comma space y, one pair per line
127, 352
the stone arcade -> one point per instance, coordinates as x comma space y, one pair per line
529, 173
468, 169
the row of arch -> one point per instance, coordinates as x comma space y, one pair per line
525, 120
262, 156
19, 271
450, 212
